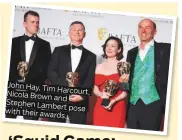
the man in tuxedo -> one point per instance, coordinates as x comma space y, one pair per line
74, 58
148, 79
32, 49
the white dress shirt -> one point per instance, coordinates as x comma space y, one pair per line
143, 52
75, 58
28, 49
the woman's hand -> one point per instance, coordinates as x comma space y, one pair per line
105, 95
124, 78
109, 107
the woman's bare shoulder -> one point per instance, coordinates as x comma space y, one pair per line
99, 68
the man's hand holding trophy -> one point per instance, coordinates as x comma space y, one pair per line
72, 79
111, 87
22, 69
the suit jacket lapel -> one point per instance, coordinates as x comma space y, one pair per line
82, 59
68, 54
34, 51
157, 58
133, 55
22, 49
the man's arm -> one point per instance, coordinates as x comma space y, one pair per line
47, 59
13, 75
128, 59
91, 73
165, 69
89, 82
53, 68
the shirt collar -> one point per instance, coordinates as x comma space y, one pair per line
75, 45
33, 35
148, 45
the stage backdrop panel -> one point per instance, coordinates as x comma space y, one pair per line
54, 26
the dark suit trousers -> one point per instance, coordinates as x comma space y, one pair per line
74, 117
78, 117
147, 117
25, 117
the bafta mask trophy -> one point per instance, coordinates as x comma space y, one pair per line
123, 68
72, 79
23, 69
110, 87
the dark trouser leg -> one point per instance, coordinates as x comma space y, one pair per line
30, 118
147, 117
151, 117
132, 119
10, 116
62, 119
78, 117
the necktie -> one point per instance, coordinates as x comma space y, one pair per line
30, 37
77, 47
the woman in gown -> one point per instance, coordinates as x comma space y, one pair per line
114, 114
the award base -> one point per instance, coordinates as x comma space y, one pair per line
105, 102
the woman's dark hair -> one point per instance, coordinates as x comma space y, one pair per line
119, 55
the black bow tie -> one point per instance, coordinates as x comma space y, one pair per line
77, 47
30, 37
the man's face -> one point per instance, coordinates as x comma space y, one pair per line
146, 30
31, 25
76, 33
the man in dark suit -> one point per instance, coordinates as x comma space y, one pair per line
32, 49
74, 58
148, 79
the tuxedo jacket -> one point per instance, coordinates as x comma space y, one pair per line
60, 64
38, 62
161, 68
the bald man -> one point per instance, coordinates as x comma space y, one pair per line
148, 79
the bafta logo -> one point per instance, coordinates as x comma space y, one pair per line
72, 79
22, 69
102, 33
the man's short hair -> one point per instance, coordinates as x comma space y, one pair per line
78, 22
33, 13
154, 24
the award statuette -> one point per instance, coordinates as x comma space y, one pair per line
23, 69
110, 87
72, 79
123, 68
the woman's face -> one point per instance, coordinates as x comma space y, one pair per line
112, 48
